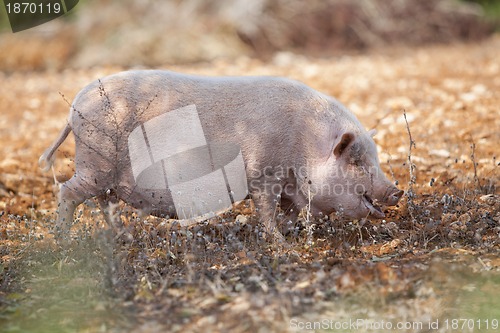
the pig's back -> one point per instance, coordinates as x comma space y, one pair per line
230, 108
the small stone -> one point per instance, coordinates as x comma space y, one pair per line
440, 153
488, 199
241, 219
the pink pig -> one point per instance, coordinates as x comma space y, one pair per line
142, 135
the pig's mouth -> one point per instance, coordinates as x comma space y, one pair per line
374, 209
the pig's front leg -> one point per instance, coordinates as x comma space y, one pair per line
290, 214
267, 207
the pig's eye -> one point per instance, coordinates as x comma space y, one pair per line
356, 153
356, 161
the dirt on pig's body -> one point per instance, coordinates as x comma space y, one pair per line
433, 259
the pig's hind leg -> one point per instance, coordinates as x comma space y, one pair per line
72, 193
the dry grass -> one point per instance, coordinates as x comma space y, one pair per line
439, 262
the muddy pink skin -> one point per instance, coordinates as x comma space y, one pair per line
298, 145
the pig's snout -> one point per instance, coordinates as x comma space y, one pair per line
393, 196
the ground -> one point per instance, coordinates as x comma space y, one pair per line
430, 263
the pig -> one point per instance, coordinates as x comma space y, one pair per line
299, 147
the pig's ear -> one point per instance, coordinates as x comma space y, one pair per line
372, 132
343, 143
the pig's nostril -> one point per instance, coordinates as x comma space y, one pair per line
398, 195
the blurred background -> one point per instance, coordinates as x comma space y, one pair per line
145, 33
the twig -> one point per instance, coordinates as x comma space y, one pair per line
308, 216
410, 194
474, 164
391, 170
64, 98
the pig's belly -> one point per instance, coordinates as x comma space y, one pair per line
183, 206
153, 202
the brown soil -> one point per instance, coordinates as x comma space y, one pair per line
435, 257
